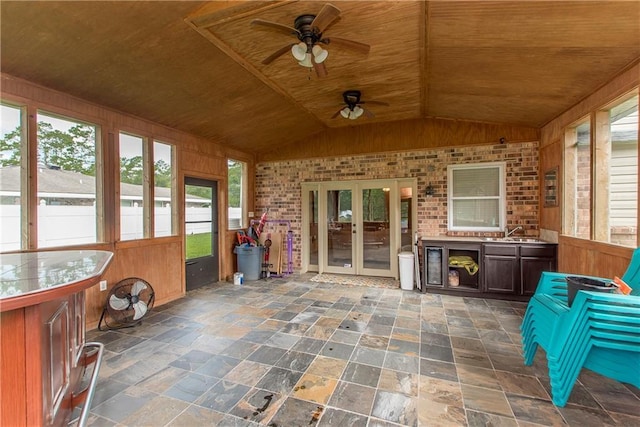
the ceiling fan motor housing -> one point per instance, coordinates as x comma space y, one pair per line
306, 33
351, 98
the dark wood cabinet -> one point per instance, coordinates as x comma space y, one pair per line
533, 261
440, 272
505, 269
500, 268
516, 268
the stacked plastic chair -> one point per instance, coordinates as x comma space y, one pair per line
600, 331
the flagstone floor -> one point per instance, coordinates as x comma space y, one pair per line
294, 352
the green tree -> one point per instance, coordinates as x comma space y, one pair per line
234, 180
132, 170
74, 150
162, 174
10, 148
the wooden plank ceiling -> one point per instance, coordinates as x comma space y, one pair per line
196, 66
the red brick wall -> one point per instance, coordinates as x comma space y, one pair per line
278, 183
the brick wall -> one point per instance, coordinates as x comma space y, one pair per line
278, 183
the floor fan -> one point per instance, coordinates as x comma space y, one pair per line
127, 303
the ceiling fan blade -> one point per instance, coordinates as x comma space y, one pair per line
337, 113
348, 44
278, 53
321, 69
139, 309
118, 303
386, 104
327, 15
280, 27
368, 113
138, 287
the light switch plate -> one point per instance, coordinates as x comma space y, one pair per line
103, 285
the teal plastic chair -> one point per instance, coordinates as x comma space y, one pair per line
600, 332
554, 284
602, 335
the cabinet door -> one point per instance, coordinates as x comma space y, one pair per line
531, 269
78, 325
433, 263
500, 273
56, 358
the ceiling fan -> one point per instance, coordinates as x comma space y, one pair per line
309, 31
353, 108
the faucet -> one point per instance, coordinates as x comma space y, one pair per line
508, 233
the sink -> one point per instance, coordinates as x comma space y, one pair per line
512, 239
527, 240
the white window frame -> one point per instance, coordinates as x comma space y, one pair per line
502, 211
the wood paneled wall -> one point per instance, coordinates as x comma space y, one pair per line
577, 255
401, 136
158, 260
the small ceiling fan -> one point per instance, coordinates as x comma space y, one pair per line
309, 31
353, 108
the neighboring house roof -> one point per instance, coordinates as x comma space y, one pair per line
61, 183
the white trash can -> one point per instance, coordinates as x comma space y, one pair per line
406, 270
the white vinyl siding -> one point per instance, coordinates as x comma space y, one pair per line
624, 185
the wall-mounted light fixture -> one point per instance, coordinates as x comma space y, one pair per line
430, 191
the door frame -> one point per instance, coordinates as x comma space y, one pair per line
394, 184
215, 229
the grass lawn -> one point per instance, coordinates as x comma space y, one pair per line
198, 245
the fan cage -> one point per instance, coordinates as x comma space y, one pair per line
123, 293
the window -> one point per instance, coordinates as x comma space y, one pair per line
476, 197
617, 202
601, 174
11, 143
66, 182
132, 194
164, 190
577, 180
236, 178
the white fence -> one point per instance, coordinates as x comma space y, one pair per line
76, 225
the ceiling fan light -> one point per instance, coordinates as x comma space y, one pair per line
345, 112
306, 62
319, 54
299, 51
357, 111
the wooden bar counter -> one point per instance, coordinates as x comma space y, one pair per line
43, 354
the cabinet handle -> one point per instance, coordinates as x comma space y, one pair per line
86, 395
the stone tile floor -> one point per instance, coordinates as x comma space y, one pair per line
292, 352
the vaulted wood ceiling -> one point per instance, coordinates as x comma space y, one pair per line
196, 66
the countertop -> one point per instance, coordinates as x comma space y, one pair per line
453, 239
499, 240
33, 277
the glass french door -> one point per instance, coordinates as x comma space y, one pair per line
340, 229
352, 227
375, 228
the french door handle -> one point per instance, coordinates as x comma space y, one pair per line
192, 263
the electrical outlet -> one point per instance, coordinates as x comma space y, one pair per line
103, 285
250, 214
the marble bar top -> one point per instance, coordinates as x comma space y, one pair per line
31, 274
